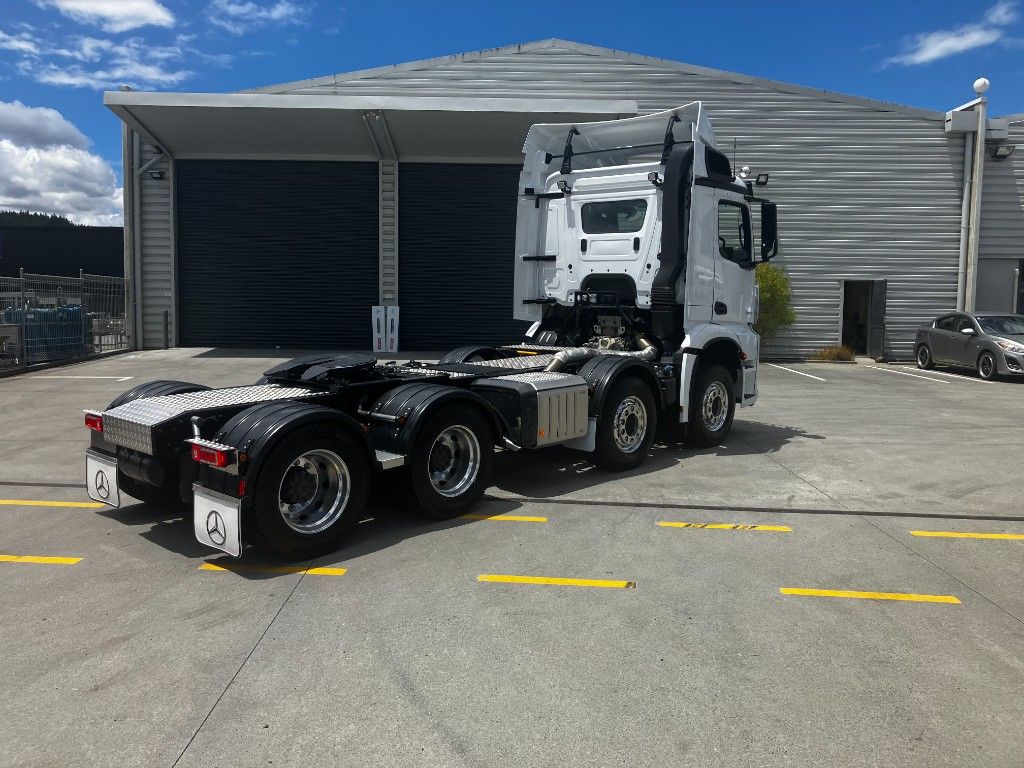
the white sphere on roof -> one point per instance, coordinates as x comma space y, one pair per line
981, 85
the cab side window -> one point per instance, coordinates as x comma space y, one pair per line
734, 232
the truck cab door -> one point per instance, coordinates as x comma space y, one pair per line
734, 264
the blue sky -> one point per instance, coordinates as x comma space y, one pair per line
61, 54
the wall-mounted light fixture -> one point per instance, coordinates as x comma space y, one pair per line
1002, 151
156, 175
762, 180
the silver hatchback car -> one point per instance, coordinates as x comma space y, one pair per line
991, 344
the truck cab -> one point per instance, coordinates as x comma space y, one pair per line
644, 218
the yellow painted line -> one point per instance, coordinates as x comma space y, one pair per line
39, 559
959, 535
555, 581
511, 518
245, 568
726, 526
870, 595
31, 503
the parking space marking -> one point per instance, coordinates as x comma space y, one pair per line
798, 373
961, 377
111, 378
965, 535
904, 373
726, 526
510, 518
904, 596
283, 569
33, 503
555, 581
39, 559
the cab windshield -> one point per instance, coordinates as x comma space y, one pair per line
1002, 324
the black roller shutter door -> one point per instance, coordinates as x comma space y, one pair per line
457, 228
276, 253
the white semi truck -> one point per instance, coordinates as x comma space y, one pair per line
634, 261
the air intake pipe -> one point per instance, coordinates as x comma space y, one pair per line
647, 351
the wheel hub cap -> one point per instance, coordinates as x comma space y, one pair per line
454, 461
314, 491
715, 408
630, 424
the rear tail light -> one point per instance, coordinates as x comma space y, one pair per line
215, 457
94, 421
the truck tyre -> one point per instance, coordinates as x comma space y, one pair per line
310, 491
450, 462
712, 406
626, 427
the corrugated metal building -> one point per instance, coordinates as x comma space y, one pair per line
280, 215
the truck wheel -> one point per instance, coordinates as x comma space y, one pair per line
450, 463
712, 406
625, 431
159, 497
310, 491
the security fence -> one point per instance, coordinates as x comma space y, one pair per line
46, 319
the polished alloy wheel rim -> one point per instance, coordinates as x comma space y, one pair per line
715, 407
987, 364
630, 424
922, 356
314, 491
454, 461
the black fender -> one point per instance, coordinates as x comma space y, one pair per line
463, 354
155, 389
603, 372
408, 407
255, 431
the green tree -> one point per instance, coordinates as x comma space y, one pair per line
31, 219
776, 308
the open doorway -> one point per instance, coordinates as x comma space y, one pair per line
856, 301
864, 317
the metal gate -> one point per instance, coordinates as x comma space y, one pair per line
456, 230
276, 253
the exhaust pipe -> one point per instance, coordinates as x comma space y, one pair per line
648, 351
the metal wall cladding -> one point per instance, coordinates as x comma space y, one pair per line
1001, 245
277, 253
456, 244
865, 191
156, 291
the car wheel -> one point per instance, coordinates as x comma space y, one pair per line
987, 366
712, 407
625, 431
924, 358
310, 491
450, 463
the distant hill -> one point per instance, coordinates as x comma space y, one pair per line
30, 219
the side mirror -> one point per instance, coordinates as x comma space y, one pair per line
769, 231
968, 331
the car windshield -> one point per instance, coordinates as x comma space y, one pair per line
999, 324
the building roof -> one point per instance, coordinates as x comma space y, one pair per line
591, 50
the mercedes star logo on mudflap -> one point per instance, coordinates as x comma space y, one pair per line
102, 484
215, 528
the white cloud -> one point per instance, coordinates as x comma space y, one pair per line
241, 16
37, 127
22, 43
106, 65
926, 47
114, 15
45, 166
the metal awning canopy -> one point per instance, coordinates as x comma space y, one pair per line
273, 126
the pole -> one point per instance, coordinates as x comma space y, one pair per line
965, 221
970, 294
